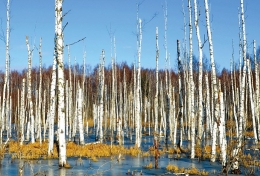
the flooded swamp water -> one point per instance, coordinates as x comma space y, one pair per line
125, 165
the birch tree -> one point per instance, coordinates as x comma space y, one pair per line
180, 71
214, 83
191, 90
6, 78
200, 46
29, 93
22, 114
61, 85
79, 114
138, 91
101, 95
156, 86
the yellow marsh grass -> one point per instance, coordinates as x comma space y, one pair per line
191, 171
149, 166
36, 151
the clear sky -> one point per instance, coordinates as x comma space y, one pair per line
93, 18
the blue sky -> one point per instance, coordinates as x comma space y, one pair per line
93, 18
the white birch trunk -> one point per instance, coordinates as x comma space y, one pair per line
157, 87
222, 132
138, 91
22, 114
180, 72
233, 97
257, 100
79, 114
61, 85
191, 91
40, 96
252, 102
43, 115
214, 83
29, 96
200, 99
101, 96
67, 108
52, 107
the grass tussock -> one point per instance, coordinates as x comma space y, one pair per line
191, 171
149, 166
2, 152
206, 154
93, 151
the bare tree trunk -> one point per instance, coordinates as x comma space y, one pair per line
214, 83
79, 116
39, 124
233, 87
191, 91
257, 98
252, 102
138, 91
180, 72
157, 87
22, 114
222, 132
61, 85
52, 107
101, 95
29, 87
200, 99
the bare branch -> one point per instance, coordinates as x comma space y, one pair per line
154, 15
75, 42
65, 26
66, 14
204, 41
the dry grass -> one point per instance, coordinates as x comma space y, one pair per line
146, 154
31, 150
149, 166
93, 151
2, 152
172, 168
207, 152
191, 171
198, 151
249, 133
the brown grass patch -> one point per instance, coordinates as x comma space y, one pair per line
191, 171
93, 151
149, 166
